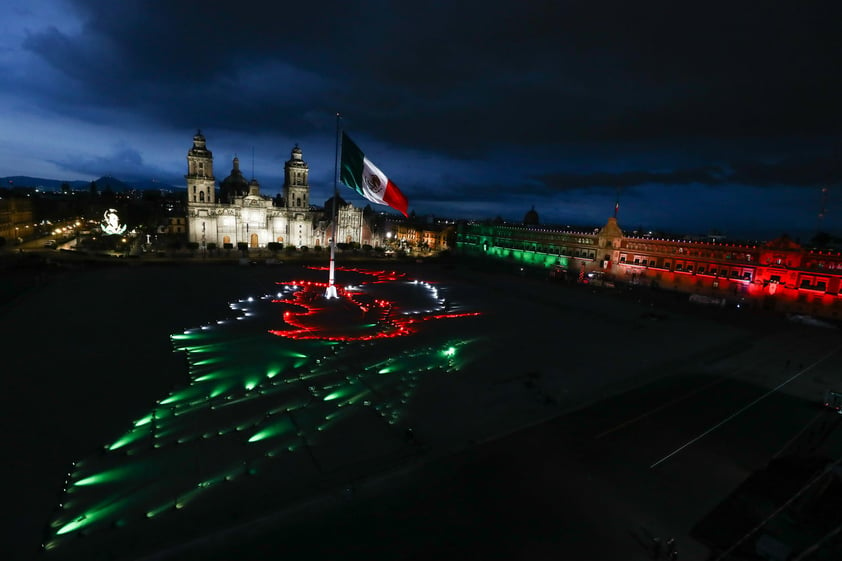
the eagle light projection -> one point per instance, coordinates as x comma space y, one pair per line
111, 223
287, 389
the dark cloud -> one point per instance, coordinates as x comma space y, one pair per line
534, 99
124, 162
807, 171
467, 75
566, 181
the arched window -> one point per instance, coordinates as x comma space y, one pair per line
298, 201
201, 196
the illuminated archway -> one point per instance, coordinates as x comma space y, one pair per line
253, 240
226, 239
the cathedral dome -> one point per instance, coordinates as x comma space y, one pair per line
340, 202
531, 218
235, 185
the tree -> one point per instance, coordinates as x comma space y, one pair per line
93, 189
193, 247
243, 247
211, 247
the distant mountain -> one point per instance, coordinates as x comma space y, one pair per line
103, 183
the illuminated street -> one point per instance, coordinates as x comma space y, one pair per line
387, 418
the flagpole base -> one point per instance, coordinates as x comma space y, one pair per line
330, 293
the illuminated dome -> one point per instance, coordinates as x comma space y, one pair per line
235, 185
531, 217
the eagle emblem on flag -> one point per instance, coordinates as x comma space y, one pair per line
374, 184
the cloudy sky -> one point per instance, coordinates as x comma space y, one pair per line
716, 115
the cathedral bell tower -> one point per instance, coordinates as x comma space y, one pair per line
200, 180
296, 183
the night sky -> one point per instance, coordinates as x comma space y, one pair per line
716, 115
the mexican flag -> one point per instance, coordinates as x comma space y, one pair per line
361, 175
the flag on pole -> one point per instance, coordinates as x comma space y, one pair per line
361, 175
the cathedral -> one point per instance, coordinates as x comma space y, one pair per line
238, 213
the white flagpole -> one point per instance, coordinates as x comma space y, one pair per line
331, 289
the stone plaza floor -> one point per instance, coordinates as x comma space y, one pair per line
160, 409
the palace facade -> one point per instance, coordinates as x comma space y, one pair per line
238, 213
777, 275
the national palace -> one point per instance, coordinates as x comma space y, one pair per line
777, 275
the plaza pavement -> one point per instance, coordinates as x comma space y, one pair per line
90, 350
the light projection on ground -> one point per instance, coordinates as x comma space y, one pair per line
290, 390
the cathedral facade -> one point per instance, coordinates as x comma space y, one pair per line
238, 213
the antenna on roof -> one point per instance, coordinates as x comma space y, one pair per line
252, 162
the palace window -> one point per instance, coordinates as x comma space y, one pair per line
701, 270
